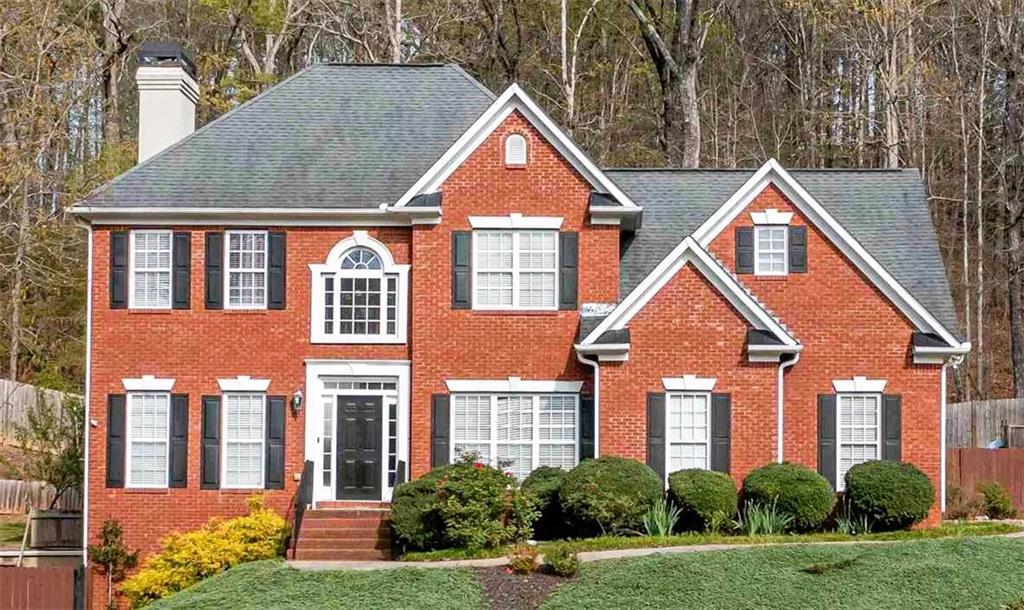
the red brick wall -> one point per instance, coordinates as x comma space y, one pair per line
847, 328
466, 344
196, 347
689, 328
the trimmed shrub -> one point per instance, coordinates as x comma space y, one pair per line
544, 484
522, 558
794, 490
960, 505
560, 561
997, 502
609, 494
700, 495
893, 495
463, 505
187, 558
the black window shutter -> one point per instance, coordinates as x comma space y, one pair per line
568, 269
827, 437
276, 271
721, 424
115, 440
892, 424
181, 280
656, 433
586, 427
214, 270
177, 475
119, 270
798, 249
440, 425
461, 267
209, 458
275, 442
744, 249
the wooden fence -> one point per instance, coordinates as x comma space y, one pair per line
29, 588
16, 399
976, 424
966, 468
16, 497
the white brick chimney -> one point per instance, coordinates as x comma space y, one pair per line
167, 96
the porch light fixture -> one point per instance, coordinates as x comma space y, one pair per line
297, 402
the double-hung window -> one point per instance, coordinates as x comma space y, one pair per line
770, 251
687, 430
860, 432
517, 432
515, 269
148, 438
150, 270
244, 420
246, 276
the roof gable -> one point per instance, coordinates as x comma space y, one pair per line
689, 251
333, 136
513, 99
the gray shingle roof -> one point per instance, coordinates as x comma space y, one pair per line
885, 210
347, 136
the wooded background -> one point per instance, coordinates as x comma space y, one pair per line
932, 84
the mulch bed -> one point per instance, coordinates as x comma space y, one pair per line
506, 590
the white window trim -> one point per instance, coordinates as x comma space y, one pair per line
132, 270
148, 383
333, 265
841, 480
227, 269
243, 384
508, 151
224, 443
515, 270
512, 385
516, 221
785, 251
689, 383
707, 451
771, 217
859, 385
129, 440
535, 443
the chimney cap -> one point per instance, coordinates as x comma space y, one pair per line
166, 54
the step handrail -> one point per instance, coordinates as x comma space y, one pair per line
303, 498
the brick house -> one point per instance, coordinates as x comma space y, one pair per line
373, 269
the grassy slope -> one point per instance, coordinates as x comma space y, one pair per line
965, 573
604, 543
265, 585
11, 532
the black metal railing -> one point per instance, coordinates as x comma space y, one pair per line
400, 475
303, 498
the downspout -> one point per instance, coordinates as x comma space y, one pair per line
779, 413
88, 394
597, 400
955, 361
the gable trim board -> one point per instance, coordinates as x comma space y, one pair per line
689, 251
511, 100
772, 173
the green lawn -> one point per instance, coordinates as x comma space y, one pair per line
270, 585
11, 531
927, 574
949, 529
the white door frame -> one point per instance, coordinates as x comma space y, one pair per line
317, 396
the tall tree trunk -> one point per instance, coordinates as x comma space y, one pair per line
1014, 205
115, 46
17, 285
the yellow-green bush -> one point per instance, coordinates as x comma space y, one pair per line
187, 558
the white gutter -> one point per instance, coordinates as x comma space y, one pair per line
780, 411
597, 400
88, 397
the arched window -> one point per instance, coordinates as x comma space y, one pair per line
515, 150
359, 294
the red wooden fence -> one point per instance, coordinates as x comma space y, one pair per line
967, 468
38, 589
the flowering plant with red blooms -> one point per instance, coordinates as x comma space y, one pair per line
478, 465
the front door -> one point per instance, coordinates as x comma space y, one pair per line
359, 447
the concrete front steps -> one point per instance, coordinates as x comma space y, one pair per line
345, 531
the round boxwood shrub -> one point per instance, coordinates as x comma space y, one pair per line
544, 484
794, 490
609, 494
415, 517
700, 495
893, 495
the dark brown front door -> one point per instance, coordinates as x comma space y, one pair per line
359, 447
